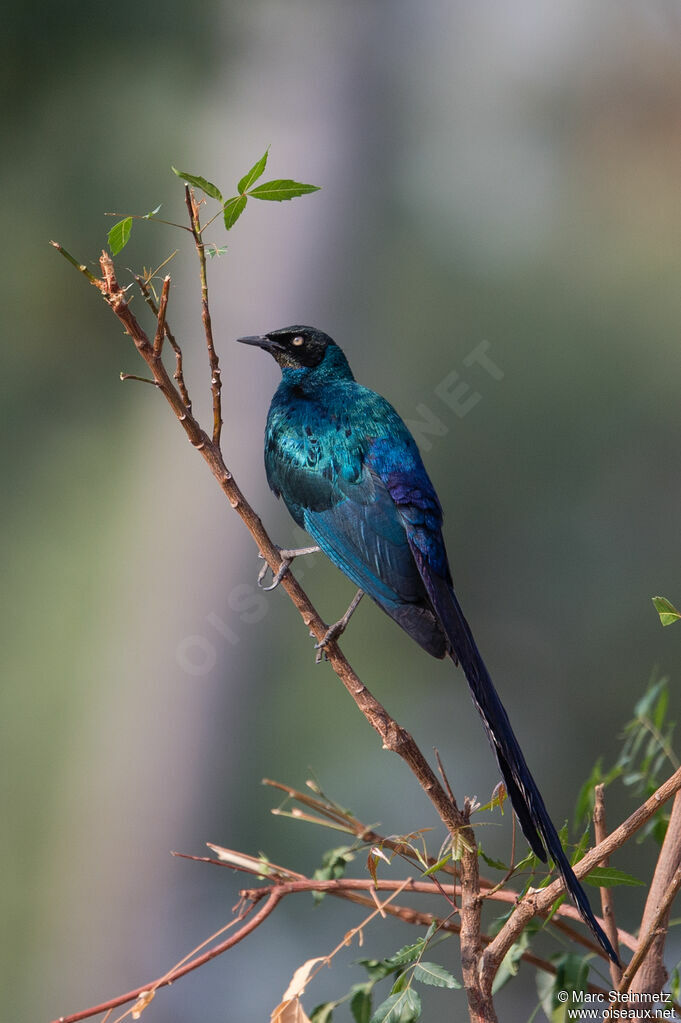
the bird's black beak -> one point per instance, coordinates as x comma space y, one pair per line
260, 341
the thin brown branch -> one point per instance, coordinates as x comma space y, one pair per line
187, 967
657, 925
74, 262
652, 974
161, 318
215, 376
537, 902
505, 895
349, 889
607, 900
141, 380
178, 375
489, 889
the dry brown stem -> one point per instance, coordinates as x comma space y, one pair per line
607, 901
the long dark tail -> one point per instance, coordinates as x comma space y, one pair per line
521, 786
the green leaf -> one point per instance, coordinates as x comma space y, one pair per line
281, 189
431, 973
608, 877
148, 216
360, 1003
581, 846
323, 1013
119, 235
644, 706
402, 982
661, 709
666, 610
233, 210
215, 250
254, 173
404, 1007
405, 955
437, 866
510, 964
194, 179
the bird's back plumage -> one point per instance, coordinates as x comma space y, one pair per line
351, 474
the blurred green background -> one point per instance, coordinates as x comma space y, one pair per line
496, 173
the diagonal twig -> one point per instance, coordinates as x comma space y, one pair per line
215, 376
607, 900
178, 375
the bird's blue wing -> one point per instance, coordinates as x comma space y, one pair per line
340, 493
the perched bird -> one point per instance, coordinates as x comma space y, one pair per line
350, 474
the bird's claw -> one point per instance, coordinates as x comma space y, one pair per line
287, 555
337, 629
331, 634
276, 577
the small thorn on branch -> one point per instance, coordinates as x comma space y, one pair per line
142, 380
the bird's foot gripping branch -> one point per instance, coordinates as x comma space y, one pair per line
435, 620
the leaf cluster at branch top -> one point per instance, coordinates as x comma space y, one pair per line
278, 190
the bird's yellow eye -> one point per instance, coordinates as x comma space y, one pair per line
298, 341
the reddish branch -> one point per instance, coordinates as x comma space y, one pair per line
193, 964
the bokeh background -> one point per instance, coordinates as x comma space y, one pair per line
498, 173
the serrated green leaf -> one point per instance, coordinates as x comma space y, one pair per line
437, 976
233, 210
405, 955
249, 179
195, 179
152, 213
323, 1013
666, 610
360, 1003
119, 235
404, 1007
608, 877
281, 189
215, 250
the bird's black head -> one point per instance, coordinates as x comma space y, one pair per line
294, 347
